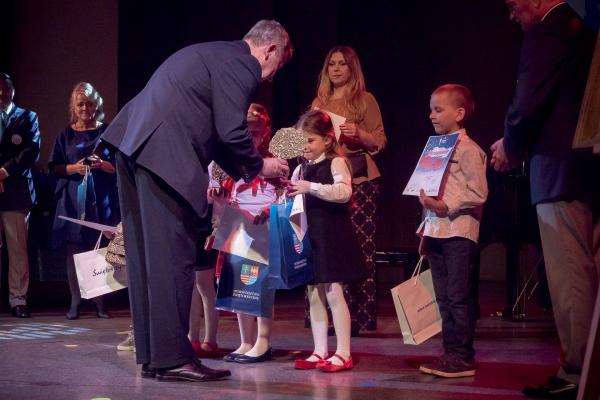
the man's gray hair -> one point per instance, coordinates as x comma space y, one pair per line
266, 31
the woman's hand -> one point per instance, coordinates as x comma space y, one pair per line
298, 187
104, 165
350, 133
78, 168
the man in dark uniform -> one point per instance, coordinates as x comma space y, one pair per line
540, 125
192, 111
19, 150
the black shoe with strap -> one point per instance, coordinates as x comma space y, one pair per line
244, 359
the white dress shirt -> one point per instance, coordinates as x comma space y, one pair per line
340, 190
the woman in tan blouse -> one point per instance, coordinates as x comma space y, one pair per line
341, 91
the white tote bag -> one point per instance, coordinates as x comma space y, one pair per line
417, 308
95, 275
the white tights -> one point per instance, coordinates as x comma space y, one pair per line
204, 294
263, 336
333, 294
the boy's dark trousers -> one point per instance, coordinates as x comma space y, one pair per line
454, 279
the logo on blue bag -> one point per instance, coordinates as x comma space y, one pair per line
297, 244
249, 274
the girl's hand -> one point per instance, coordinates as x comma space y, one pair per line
298, 187
109, 235
433, 204
217, 192
262, 217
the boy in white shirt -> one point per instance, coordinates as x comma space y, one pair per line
450, 231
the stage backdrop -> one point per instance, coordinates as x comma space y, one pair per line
405, 54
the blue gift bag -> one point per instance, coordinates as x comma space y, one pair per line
86, 198
290, 260
243, 287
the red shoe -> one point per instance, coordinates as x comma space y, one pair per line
206, 350
305, 364
328, 366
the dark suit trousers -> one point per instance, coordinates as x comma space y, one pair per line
161, 234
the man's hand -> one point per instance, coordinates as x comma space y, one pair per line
274, 168
433, 204
499, 159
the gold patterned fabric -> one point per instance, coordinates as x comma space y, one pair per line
115, 251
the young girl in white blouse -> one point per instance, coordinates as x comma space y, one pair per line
254, 199
326, 181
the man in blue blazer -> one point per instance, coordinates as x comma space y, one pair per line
540, 125
192, 111
19, 150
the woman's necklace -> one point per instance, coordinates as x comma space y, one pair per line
82, 126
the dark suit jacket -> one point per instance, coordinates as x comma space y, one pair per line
19, 150
193, 110
542, 118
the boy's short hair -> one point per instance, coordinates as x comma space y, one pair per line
461, 97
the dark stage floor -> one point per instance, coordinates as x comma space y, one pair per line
48, 357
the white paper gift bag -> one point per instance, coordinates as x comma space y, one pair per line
417, 308
95, 275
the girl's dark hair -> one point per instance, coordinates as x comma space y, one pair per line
258, 112
319, 123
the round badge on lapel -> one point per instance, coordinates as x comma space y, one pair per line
16, 139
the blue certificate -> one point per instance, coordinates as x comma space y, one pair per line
432, 164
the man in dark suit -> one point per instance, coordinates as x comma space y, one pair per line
192, 111
19, 149
540, 125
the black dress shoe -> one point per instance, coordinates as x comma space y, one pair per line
231, 357
20, 311
193, 372
244, 359
553, 388
148, 372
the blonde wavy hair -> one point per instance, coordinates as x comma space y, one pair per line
353, 99
91, 94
